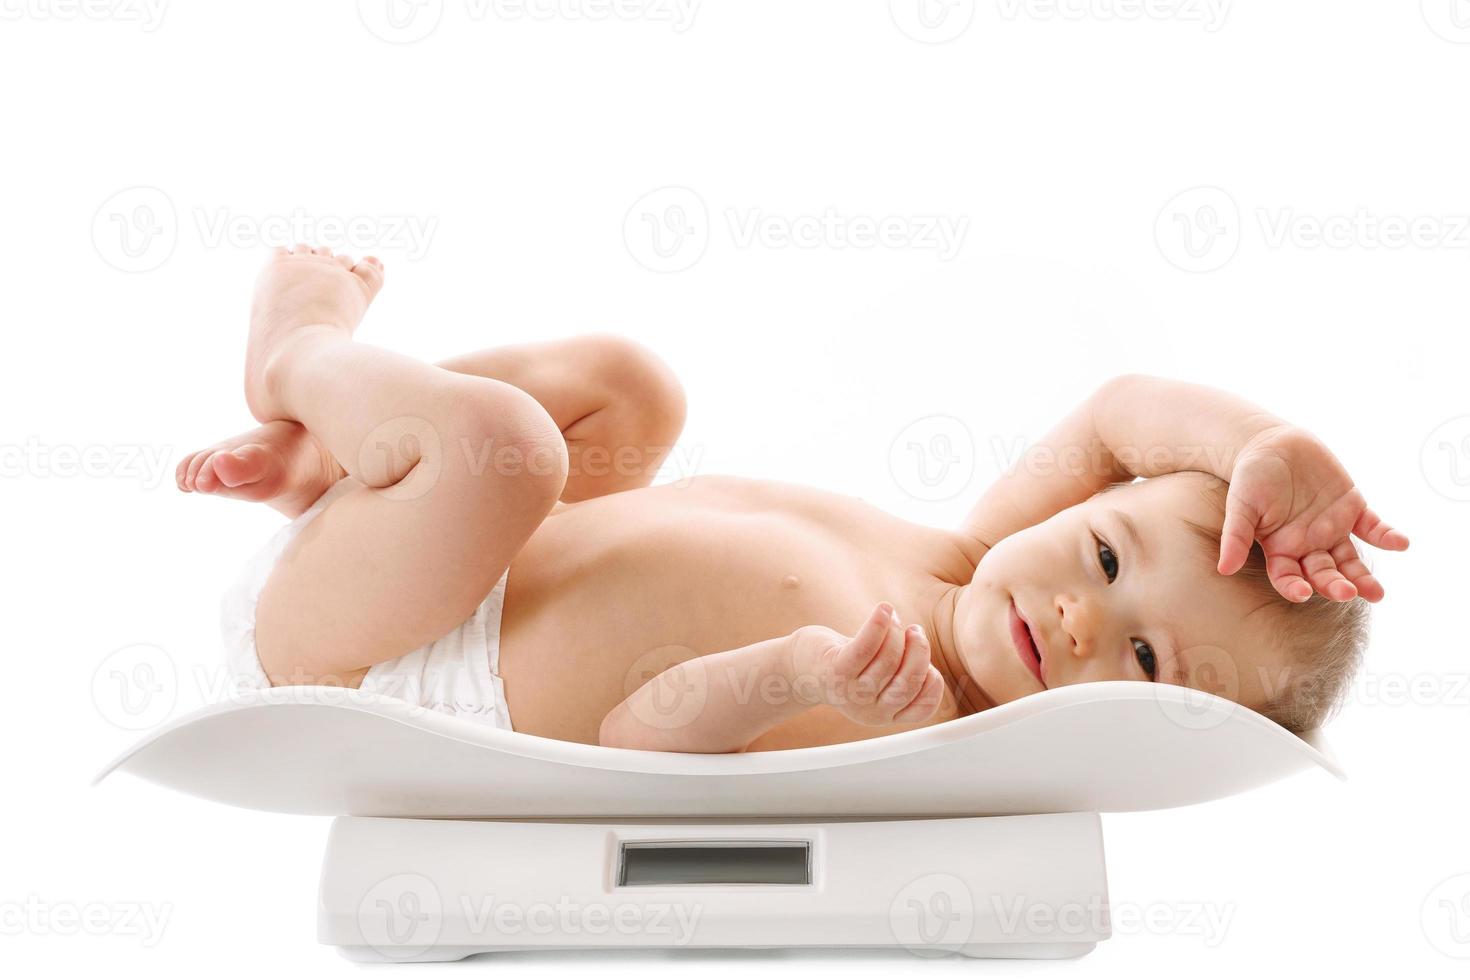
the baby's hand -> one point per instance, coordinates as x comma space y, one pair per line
1289, 491
882, 675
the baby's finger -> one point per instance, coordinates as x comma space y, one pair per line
909, 676
181, 471
1350, 563
927, 701
1286, 575
1236, 536
1372, 529
877, 674
1321, 571
859, 652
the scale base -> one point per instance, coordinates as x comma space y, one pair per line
993, 951
414, 891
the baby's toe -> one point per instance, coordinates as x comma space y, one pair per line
182, 471
245, 465
196, 463
370, 272
205, 480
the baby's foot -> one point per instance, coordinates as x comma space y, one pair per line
301, 291
280, 464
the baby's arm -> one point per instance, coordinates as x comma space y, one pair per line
1132, 425
722, 702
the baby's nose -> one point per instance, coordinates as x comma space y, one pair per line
1080, 618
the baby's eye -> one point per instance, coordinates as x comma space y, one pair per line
1105, 555
1146, 659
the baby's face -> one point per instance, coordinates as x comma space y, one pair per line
1103, 605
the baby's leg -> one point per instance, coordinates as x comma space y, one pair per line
618, 406
456, 471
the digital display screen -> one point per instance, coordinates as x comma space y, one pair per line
715, 862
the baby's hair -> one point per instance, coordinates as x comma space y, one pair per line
1322, 640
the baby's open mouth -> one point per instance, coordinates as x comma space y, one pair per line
1025, 642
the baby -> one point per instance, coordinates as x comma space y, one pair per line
725, 614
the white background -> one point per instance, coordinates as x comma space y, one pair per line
1059, 139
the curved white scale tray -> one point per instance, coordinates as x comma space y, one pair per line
1104, 747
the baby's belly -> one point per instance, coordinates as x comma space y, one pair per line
594, 608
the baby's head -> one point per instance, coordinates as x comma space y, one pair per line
1124, 587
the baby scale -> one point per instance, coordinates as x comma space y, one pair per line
980, 836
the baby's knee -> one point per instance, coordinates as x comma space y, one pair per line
504, 437
631, 371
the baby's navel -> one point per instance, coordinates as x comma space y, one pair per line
790, 582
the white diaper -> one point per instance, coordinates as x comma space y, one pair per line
458, 674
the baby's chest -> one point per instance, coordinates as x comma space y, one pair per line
724, 581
